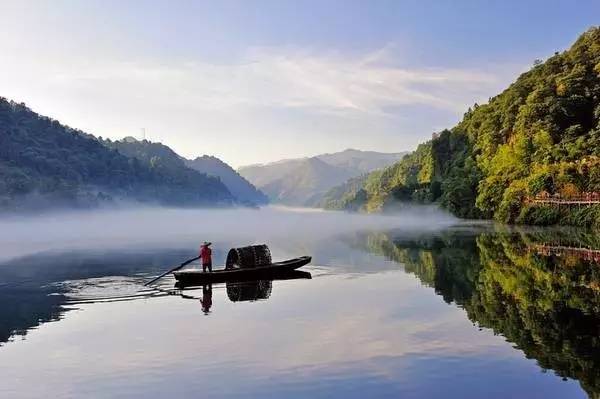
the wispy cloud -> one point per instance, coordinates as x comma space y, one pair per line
272, 96
292, 79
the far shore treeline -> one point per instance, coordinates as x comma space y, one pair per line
538, 138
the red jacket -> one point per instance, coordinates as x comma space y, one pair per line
205, 254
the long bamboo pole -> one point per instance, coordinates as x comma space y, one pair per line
187, 262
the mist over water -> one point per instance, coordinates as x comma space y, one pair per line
414, 304
143, 227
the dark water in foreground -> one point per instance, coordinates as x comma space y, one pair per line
466, 311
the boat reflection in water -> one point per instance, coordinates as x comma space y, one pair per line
249, 291
206, 300
242, 290
260, 289
236, 292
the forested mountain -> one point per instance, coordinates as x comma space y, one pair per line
305, 181
44, 164
241, 188
156, 154
159, 154
349, 195
539, 136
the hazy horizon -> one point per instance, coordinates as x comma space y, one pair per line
259, 82
139, 226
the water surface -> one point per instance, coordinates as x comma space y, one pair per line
410, 306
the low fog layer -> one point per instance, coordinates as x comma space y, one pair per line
182, 228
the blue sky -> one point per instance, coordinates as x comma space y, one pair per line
257, 81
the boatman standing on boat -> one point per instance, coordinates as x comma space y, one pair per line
206, 256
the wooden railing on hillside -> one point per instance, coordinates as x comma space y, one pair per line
588, 254
581, 199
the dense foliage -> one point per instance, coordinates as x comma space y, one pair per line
542, 134
44, 163
163, 158
346, 196
165, 162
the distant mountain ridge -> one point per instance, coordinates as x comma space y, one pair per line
147, 151
304, 181
45, 164
212, 167
237, 185
359, 162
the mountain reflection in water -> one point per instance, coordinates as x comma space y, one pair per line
547, 303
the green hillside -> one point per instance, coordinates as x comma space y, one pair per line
241, 188
167, 163
541, 135
46, 164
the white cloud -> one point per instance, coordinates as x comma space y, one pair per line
268, 78
288, 99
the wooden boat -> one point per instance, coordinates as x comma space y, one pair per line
273, 271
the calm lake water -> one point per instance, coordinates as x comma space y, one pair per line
413, 306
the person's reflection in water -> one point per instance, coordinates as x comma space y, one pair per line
206, 300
